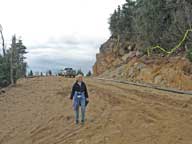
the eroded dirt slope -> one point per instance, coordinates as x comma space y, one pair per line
38, 111
174, 72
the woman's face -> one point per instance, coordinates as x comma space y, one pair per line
80, 79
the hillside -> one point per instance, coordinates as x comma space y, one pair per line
38, 111
127, 63
150, 43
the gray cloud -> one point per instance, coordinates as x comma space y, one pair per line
69, 41
63, 52
42, 64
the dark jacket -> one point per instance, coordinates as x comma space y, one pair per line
78, 88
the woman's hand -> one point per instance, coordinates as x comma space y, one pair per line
70, 97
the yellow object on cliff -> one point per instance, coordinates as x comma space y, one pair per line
173, 49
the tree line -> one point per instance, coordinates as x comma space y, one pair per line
50, 73
153, 22
12, 63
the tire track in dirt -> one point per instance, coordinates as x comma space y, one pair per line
156, 101
159, 99
117, 114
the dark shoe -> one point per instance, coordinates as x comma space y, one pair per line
77, 122
82, 122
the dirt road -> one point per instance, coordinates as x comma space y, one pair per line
38, 111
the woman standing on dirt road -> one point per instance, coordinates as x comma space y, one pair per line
79, 95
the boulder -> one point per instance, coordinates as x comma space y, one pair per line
131, 54
117, 62
139, 66
131, 72
158, 79
123, 51
138, 53
109, 58
2, 91
108, 46
125, 58
146, 75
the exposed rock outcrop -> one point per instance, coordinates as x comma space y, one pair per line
113, 53
132, 65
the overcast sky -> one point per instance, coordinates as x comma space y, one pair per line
58, 33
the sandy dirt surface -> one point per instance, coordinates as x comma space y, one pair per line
38, 111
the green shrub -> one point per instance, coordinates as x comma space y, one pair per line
189, 54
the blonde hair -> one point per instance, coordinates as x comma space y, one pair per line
78, 76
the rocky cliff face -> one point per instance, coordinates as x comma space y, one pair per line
120, 60
114, 53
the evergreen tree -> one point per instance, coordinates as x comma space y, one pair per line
89, 74
30, 73
4, 72
79, 71
17, 65
12, 64
153, 22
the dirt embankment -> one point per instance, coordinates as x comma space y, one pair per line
121, 60
38, 111
172, 72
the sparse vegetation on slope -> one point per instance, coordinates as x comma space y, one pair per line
160, 30
153, 22
189, 54
12, 64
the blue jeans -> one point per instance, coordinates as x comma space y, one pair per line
79, 102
